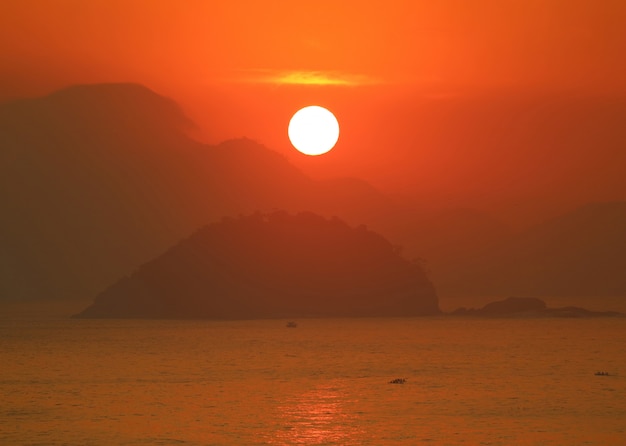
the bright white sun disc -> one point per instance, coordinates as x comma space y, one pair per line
313, 130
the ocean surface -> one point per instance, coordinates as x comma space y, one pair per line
326, 382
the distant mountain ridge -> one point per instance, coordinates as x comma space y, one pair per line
580, 253
97, 179
86, 186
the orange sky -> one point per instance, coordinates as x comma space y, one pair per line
241, 68
563, 42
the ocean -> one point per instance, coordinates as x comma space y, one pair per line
326, 382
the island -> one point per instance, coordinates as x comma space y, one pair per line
273, 265
529, 307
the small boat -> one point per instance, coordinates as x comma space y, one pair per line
602, 374
292, 324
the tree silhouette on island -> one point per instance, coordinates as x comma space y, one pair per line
274, 265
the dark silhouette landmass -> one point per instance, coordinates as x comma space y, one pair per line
581, 253
97, 179
529, 307
273, 265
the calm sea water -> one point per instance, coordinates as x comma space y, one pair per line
468, 381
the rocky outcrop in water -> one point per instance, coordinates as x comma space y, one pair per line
531, 307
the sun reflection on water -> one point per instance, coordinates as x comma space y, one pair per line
318, 416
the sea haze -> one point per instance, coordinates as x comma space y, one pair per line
468, 381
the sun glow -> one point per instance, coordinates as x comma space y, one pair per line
313, 130
295, 77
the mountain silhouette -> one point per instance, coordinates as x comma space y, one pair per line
273, 265
91, 185
580, 253
97, 179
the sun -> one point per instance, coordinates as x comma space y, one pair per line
313, 130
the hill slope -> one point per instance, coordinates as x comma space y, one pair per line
274, 265
97, 179
581, 253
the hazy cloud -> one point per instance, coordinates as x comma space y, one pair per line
264, 76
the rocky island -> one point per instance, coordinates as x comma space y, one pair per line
273, 265
529, 307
